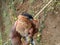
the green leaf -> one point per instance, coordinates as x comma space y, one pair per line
31, 1
42, 26
5, 13
31, 12
38, 39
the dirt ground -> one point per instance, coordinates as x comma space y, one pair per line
51, 34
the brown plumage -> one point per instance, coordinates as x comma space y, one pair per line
22, 27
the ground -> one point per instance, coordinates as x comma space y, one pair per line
51, 34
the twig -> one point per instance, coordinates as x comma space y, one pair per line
43, 9
7, 42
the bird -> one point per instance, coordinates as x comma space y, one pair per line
24, 27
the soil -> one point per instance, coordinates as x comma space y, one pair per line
51, 34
